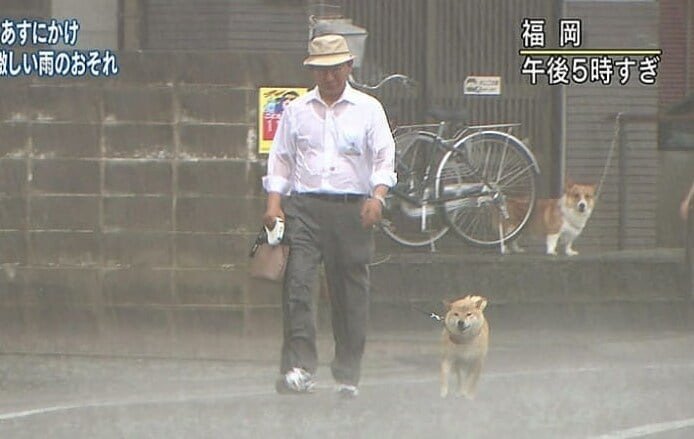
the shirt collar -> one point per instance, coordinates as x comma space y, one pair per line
348, 95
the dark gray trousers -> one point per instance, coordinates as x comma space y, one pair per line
328, 232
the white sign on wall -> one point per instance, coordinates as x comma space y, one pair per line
482, 85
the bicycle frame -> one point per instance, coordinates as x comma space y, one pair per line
459, 179
446, 145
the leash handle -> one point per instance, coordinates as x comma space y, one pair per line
432, 315
435, 316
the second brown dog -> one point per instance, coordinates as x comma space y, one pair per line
465, 343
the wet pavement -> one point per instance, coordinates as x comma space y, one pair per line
539, 383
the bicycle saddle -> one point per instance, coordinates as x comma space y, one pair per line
455, 116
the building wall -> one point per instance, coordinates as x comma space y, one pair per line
677, 40
98, 21
625, 216
26, 8
257, 25
677, 84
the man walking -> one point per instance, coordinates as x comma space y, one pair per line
330, 167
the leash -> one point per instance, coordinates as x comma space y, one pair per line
598, 191
383, 260
432, 315
615, 138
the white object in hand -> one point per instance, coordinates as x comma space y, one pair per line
274, 235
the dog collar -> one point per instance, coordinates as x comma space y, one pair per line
456, 339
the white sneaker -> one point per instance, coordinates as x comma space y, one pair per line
296, 380
347, 390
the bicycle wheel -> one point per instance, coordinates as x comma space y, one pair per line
406, 223
509, 172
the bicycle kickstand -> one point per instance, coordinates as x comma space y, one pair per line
502, 218
502, 243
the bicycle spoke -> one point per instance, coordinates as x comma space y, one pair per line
485, 168
515, 176
505, 164
476, 221
501, 163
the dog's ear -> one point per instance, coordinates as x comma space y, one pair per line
568, 182
446, 303
481, 303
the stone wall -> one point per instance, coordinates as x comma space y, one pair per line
132, 200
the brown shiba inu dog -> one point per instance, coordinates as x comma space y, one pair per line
560, 220
465, 343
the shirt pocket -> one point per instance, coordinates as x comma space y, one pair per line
351, 143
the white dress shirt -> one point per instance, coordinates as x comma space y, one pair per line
346, 147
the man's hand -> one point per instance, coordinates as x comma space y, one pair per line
371, 212
273, 210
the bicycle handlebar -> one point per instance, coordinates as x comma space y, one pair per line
404, 79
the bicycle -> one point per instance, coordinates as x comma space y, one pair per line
481, 182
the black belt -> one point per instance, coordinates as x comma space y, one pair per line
335, 198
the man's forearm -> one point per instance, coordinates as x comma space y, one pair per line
274, 200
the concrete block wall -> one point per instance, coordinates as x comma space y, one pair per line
131, 201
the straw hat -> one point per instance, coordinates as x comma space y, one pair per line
328, 50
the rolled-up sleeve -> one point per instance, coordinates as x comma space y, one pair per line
280, 163
383, 147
